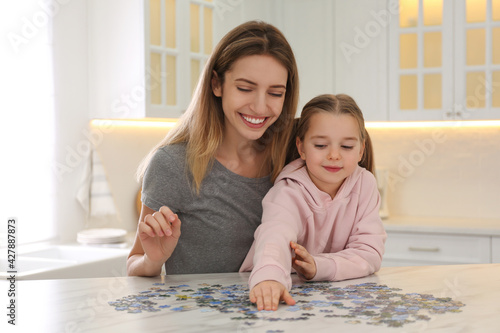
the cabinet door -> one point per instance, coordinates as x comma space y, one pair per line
420, 65
445, 60
477, 59
361, 54
414, 249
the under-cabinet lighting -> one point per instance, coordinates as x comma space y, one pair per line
431, 124
147, 122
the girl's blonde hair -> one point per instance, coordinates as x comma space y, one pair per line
334, 104
202, 124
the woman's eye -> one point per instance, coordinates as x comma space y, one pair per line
276, 94
243, 89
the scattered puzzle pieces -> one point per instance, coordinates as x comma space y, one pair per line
368, 303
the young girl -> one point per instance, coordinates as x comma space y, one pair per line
212, 171
326, 200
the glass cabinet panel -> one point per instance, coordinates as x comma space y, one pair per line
432, 49
195, 27
207, 31
432, 91
475, 91
171, 82
496, 92
476, 47
170, 23
155, 22
408, 50
155, 86
408, 15
433, 12
409, 92
475, 11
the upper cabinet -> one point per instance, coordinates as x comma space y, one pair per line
444, 60
178, 40
146, 56
399, 59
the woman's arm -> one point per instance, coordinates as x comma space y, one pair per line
156, 238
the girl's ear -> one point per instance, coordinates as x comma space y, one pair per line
300, 148
216, 86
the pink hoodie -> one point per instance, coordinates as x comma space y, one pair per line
345, 235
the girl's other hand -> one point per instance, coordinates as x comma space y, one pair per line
268, 294
159, 233
303, 262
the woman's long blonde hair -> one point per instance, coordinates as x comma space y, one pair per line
335, 104
202, 125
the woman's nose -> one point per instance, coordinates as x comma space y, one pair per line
259, 103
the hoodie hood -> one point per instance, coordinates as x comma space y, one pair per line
296, 172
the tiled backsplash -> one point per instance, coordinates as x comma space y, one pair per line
448, 171
441, 171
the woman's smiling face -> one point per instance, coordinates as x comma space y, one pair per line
252, 95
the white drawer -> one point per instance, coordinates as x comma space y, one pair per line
495, 249
432, 249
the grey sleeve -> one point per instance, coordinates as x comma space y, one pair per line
166, 182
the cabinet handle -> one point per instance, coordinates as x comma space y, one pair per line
423, 249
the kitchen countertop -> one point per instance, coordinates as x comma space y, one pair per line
82, 305
468, 226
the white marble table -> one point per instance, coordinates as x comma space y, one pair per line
81, 305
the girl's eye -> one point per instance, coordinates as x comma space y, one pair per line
319, 146
347, 147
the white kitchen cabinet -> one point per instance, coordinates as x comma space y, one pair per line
444, 60
116, 65
361, 54
495, 249
425, 248
143, 66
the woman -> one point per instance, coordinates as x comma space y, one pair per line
212, 171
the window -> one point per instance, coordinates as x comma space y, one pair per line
445, 60
27, 127
176, 51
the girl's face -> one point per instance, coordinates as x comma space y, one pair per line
252, 96
331, 149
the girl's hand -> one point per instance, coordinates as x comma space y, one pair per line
303, 262
159, 233
268, 294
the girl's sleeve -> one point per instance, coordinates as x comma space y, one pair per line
365, 247
281, 223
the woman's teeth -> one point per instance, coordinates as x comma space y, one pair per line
254, 120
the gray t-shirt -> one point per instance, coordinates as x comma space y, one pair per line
217, 226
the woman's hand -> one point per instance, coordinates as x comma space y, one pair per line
267, 295
303, 262
159, 233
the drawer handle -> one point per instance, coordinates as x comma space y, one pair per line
423, 249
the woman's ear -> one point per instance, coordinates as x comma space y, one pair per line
300, 149
216, 86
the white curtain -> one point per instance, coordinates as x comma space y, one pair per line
27, 129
